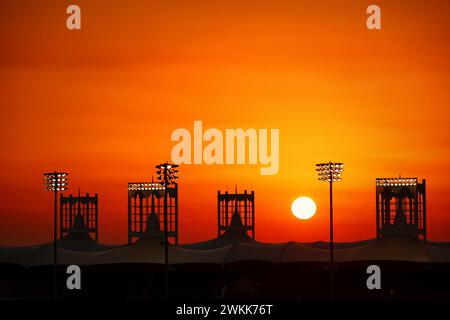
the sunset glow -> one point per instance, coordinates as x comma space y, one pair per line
303, 208
101, 104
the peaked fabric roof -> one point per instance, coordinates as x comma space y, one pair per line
395, 249
81, 241
151, 251
235, 233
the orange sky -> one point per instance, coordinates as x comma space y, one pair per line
92, 102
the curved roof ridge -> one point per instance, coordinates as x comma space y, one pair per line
283, 250
35, 252
232, 246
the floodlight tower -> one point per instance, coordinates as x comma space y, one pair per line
167, 175
143, 201
401, 208
55, 181
330, 172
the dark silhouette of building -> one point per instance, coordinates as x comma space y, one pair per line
233, 265
236, 211
401, 208
79, 215
146, 206
236, 218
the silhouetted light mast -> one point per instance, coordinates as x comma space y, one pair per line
167, 175
55, 181
330, 172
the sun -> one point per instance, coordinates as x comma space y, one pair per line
303, 208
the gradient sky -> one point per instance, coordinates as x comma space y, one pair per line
102, 102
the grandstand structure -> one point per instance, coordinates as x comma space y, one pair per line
234, 264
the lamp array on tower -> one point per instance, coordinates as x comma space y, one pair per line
55, 181
136, 186
167, 173
330, 172
396, 182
